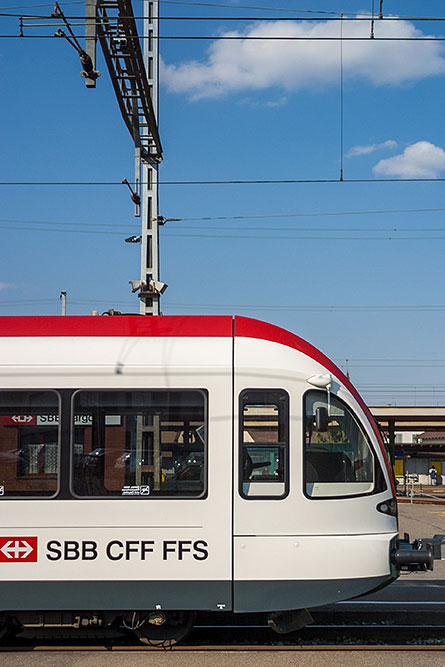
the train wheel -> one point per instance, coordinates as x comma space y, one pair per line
7, 626
161, 628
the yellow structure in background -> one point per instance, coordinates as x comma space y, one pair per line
398, 468
437, 465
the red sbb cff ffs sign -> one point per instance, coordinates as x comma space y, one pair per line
18, 549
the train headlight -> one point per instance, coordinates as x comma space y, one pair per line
388, 507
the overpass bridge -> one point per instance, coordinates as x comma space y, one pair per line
405, 418
414, 457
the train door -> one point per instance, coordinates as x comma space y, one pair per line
267, 458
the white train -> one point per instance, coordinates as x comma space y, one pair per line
151, 467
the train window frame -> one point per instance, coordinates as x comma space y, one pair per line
285, 446
378, 471
52, 496
204, 493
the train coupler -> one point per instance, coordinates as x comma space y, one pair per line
418, 555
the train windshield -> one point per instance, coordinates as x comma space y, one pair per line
339, 460
139, 443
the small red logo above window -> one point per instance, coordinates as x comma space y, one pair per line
18, 420
18, 549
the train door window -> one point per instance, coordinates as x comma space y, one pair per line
264, 443
29, 443
339, 460
133, 444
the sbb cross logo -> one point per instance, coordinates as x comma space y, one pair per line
18, 549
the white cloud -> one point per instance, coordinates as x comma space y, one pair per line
242, 65
276, 103
419, 160
271, 104
6, 286
371, 148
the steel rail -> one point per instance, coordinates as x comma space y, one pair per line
245, 648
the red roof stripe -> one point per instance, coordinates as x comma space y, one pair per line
137, 325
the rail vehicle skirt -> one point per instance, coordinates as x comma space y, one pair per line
249, 596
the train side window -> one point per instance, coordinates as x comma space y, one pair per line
339, 460
29, 443
134, 444
264, 443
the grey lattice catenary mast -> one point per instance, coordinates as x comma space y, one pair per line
134, 76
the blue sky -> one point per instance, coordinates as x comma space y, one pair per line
367, 288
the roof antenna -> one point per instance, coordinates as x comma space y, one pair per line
63, 300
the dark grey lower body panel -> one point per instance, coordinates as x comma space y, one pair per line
119, 595
248, 596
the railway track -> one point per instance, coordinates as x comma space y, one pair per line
386, 634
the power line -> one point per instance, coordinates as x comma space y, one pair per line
289, 181
305, 238
200, 4
259, 307
328, 15
361, 230
391, 363
322, 308
318, 237
256, 217
409, 390
320, 214
55, 300
285, 38
339, 16
414, 391
272, 9
183, 2
26, 303
126, 228
65, 231
46, 4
